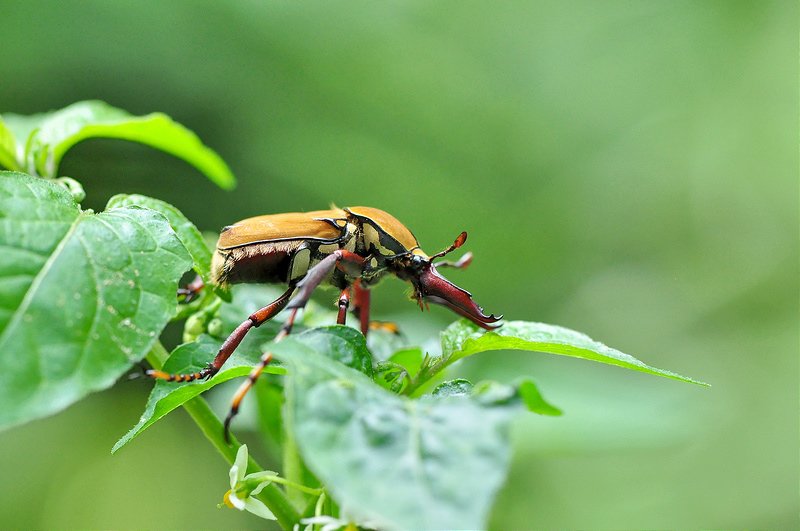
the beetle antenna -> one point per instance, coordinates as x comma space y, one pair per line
456, 244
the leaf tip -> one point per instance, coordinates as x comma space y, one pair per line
118, 445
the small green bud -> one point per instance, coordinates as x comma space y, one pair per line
215, 327
195, 325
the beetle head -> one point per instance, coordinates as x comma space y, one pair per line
431, 286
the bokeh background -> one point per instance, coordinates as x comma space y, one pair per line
627, 169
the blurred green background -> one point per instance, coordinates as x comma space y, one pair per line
627, 169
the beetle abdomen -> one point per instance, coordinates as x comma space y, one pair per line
257, 263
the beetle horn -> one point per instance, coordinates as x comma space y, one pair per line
433, 287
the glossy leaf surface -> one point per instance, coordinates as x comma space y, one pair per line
188, 234
462, 339
389, 461
83, 295
45, 138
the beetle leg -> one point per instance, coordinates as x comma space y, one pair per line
344, 303
386, 326
255, 373
256, 319
361, 310
191, 290
348, 261
362, 306
313, 278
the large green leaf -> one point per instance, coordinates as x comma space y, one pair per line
389, 461
189, 235
47, 137
462, 339
82, 295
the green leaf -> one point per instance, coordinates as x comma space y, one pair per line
462, 339
82, 295
8, 148
491, 392
389, 461
382, 343
49, 136
410, 358
457, 387
534, 400
21, 127
341, 343
190, 237
188, 358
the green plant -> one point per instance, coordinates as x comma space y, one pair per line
376, 440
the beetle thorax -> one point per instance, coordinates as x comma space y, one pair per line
380, 234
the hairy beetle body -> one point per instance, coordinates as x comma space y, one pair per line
277, 248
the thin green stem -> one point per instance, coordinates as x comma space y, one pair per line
293, 466
273, 497
288, 483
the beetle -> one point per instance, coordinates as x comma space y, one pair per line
349, 248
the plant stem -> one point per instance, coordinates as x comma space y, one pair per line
426, 374
288, 483
273, 497
292, 463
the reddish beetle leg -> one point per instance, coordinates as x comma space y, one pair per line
344, 303
192, 289
361, 310
362, 306
256, 319
314, 277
